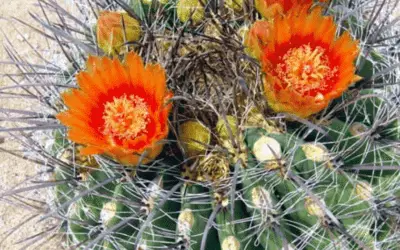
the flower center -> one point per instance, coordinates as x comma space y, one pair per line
305, 69
125, 117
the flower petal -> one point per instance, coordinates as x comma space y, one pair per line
119, 109
304, 65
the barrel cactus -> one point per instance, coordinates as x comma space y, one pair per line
219, 124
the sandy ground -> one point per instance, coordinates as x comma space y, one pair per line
14, 170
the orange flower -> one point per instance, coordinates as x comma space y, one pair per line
114, 29
305, 66
270, 8
256, 38
120, 109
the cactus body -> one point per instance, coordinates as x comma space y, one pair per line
223, 170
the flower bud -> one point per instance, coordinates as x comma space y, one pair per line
268, 151
190, 10
114, 29
194, 137
236, 5
227, 127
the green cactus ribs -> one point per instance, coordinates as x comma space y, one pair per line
283, 192
234, 175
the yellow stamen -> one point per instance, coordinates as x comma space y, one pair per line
305, 68
125, 117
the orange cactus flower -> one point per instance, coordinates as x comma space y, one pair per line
120, 110
114, 29
256, 38
304, 64
270, 8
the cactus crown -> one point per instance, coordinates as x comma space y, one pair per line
221, 169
